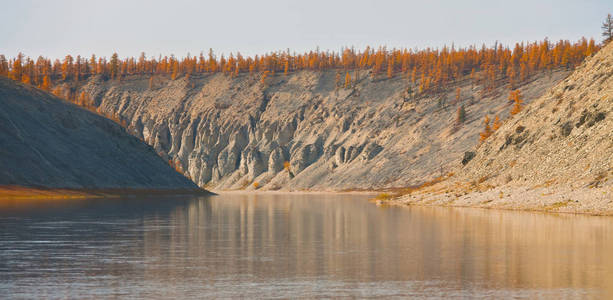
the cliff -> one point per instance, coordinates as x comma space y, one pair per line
554, 155
47, 142
233, 132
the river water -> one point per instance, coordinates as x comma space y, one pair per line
294, 246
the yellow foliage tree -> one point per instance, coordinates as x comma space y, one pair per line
487, 130
518, 103
497, 123
347, 80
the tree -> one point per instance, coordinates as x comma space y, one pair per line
518, 103
114, 66
487, 131
46, 85
347, 80
458, 95
496, 123
17, 70
286, 67
607, 29
4, 66
67, 67
175, 70
461, 115
264, 77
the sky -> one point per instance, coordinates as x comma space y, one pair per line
129, 27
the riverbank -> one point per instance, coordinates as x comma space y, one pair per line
555, 199
12, 192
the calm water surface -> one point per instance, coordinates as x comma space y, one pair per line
292, 246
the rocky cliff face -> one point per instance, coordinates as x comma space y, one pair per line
48, 142
564, 137
301, 131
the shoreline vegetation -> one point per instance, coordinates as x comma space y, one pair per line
14, 192
548, 198
585, 201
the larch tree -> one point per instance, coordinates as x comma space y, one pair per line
487, 131
114, 65
17, 69
607, 29
461, 115
4, 66
390, 68
497, 123
518, 103
458, 94
347, 80
46, 85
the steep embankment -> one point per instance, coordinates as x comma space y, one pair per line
229, 133
557, 154
47, 142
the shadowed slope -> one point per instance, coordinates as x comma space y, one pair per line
51, 143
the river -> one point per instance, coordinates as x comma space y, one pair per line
296, 245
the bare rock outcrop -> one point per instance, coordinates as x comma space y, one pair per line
564, 137
229, 132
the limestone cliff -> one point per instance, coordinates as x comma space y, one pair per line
231, 132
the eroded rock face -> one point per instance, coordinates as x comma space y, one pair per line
230, 132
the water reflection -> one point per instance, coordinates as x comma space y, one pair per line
299, 245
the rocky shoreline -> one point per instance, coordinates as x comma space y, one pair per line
558, 199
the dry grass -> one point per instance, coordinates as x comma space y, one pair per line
557, 205
23, 193
421, 187
12, 192
384, 196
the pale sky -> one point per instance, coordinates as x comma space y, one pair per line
56, 28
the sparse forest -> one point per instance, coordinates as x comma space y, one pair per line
429, 70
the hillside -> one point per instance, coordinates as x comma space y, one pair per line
554, 155
47, 142
238, 132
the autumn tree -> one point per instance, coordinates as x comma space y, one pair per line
431, 69
607, 29
458, 95
347, 80
264, 77
17, 70
175, 70
46, 85
487, 131
497, 123
67, 67
518, 102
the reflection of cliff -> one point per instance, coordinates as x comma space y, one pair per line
266, 237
